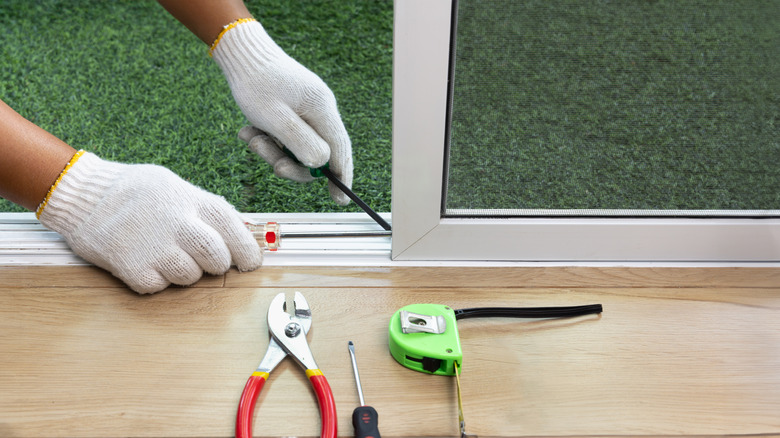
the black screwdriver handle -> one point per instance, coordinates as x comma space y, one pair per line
366, 422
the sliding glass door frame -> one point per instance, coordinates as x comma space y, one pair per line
422, 232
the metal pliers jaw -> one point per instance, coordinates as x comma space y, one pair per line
288, 333
290, 330
288, 337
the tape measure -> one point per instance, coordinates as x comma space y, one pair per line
424, 337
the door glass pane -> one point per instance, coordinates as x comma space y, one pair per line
615, 108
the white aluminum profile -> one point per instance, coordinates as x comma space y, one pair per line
25, 242
420, 232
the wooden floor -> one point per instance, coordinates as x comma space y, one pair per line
686, 351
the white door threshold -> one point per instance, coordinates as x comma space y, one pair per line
25, 242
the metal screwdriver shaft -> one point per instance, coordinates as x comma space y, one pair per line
351, 348
269, 235
364, 418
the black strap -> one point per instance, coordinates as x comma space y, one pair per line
528, 312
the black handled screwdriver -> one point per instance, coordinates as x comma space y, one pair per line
325, 171
364, 418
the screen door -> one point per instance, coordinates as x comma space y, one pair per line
635, 108
586, 131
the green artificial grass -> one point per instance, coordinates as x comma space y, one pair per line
576, 104
127, 81
616, 105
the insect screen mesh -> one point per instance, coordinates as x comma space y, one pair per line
620, 105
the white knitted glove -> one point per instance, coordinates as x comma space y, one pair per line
283, 98
146, 225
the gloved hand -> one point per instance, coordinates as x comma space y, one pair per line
285, 99
146, 225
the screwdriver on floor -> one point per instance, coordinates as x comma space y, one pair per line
364, 418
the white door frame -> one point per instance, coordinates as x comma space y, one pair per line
420, 84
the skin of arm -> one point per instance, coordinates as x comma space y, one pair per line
32, 159
206, 18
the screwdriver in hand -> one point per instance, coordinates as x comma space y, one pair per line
364, 418
320, 172
325, 171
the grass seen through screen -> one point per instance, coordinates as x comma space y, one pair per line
595, 104
616, 105
127, 81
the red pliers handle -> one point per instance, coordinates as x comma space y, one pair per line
246, 406
285, 340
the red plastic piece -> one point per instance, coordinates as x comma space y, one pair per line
272, 237
268, 235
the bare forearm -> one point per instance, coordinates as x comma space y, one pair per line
32, 159
206, 18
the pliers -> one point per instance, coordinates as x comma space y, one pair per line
288, 336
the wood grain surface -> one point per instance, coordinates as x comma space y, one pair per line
684, 351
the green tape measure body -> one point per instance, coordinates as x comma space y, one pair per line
424, 338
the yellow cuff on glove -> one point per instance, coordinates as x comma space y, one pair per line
46, 198
227, 28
